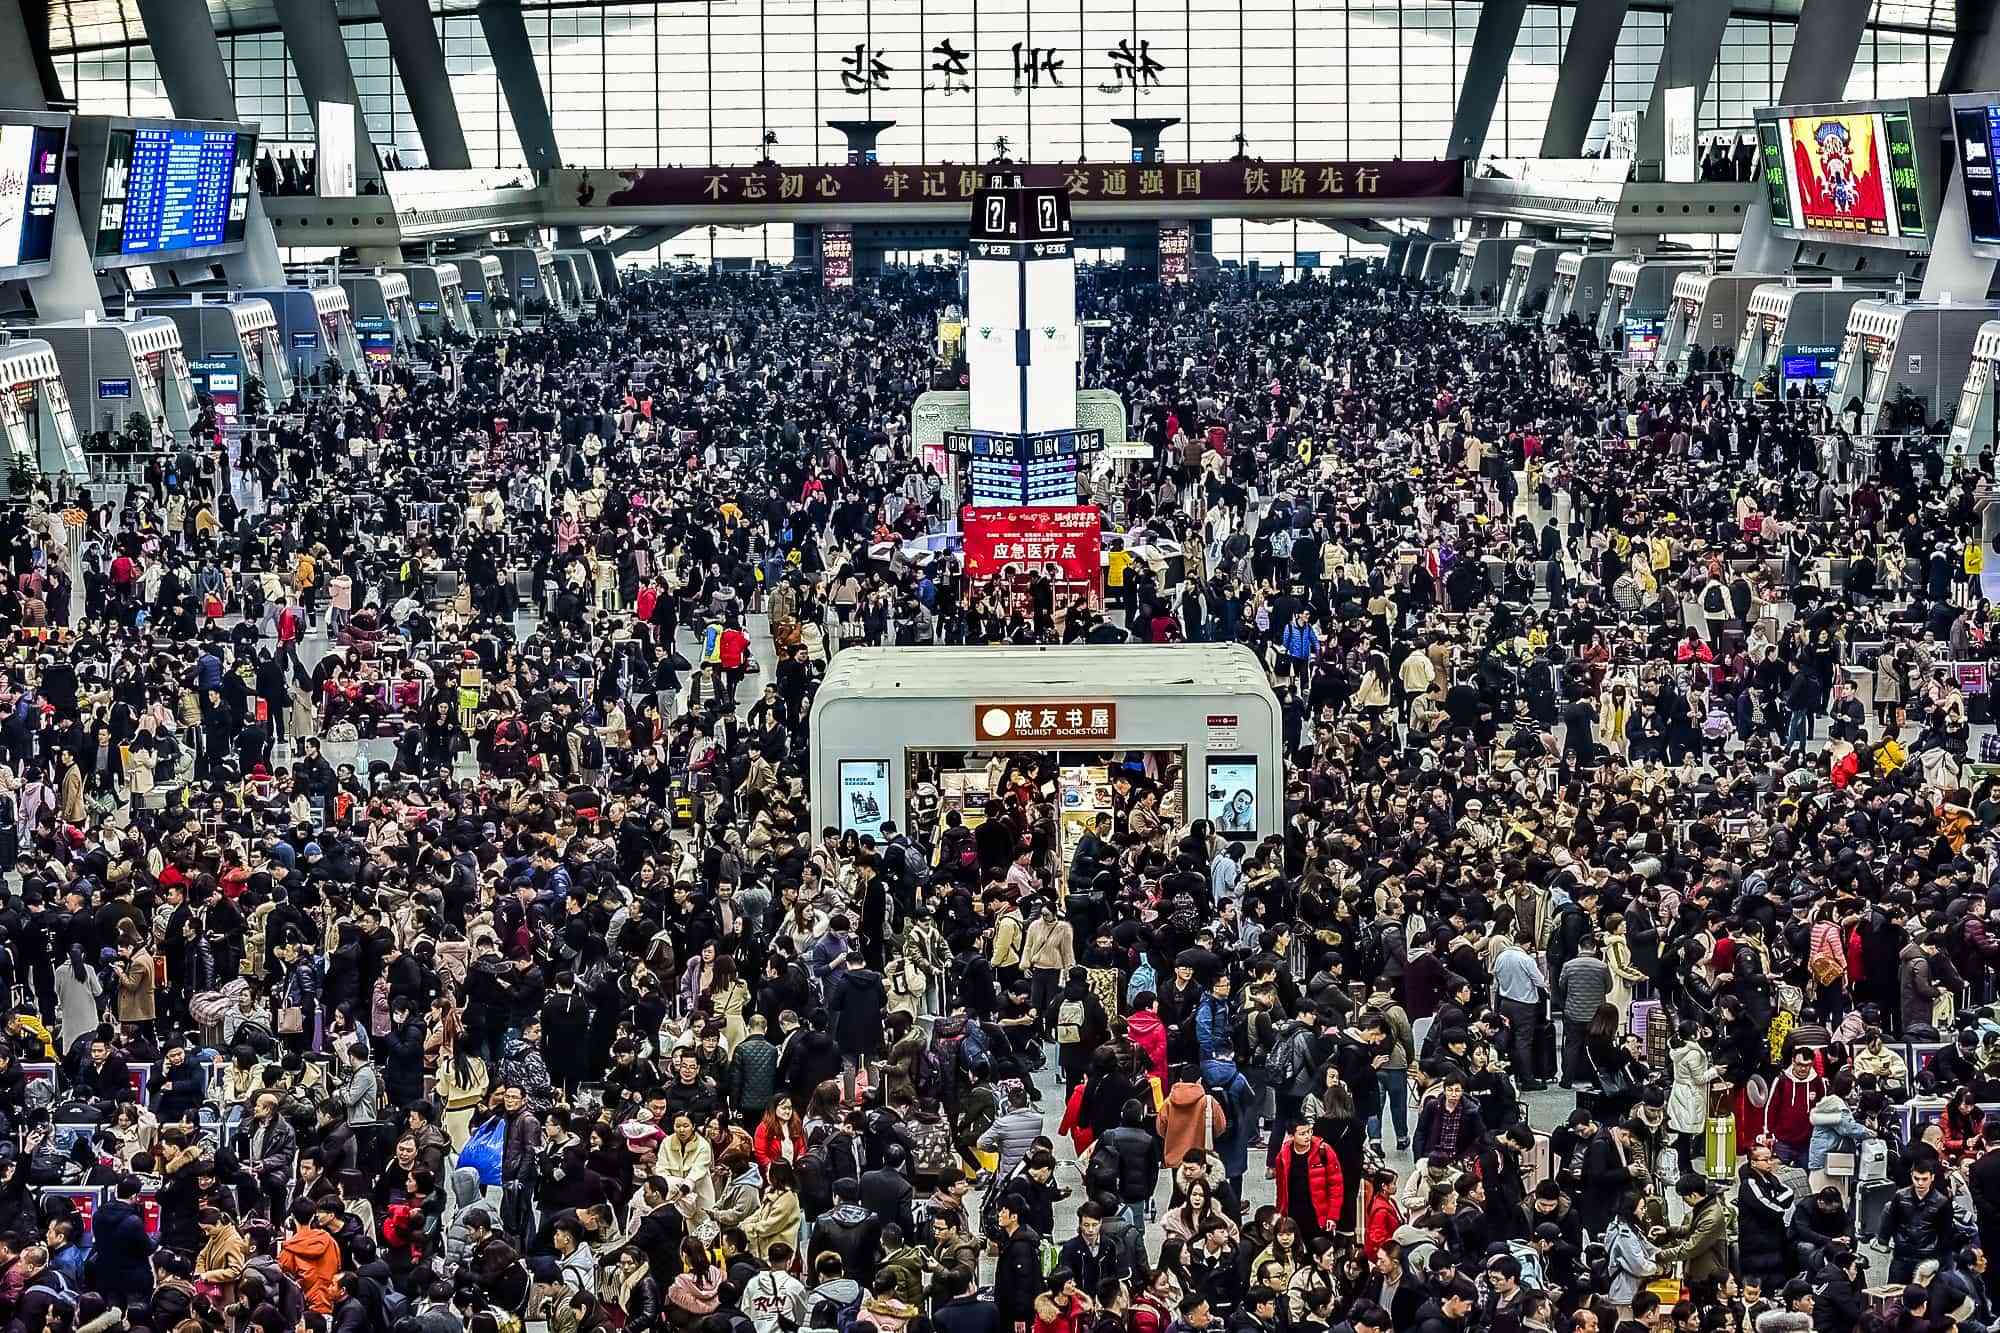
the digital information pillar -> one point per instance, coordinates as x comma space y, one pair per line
1023, 447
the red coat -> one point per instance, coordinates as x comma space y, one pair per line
1324, 1174
1149, 1034
769, 1145
1383, 1219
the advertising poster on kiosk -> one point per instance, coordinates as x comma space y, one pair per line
1840, 166
1064, 544
864, 796
1231, 796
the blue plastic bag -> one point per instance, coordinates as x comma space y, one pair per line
484, 1151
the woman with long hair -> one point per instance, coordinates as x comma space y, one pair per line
463, 1078
695, 1292
78, 988
1617, 1074
635, 1291
1190, 1220
780, 1134
775, 1220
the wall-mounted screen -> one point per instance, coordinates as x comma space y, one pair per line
1854, 173
1978, 138
864, 796
172, 189
1230, 796
31, 162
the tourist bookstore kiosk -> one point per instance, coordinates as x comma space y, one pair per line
907, 734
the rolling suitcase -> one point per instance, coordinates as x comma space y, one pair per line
1719, 1148
1545, 1050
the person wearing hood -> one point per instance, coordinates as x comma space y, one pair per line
1189, 1117
1834, 1129
1149, 1034
832, 1290
848, 1230
1238, 1107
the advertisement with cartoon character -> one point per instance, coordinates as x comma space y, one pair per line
1840, 168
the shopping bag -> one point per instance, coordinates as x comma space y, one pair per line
484, 1149
1719, 1154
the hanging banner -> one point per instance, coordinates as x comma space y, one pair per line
1064, 544
333, 177
1678, 142
774, 186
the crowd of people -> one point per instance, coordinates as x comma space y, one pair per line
415, 925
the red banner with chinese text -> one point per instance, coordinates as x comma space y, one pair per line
879, 183
1064, 543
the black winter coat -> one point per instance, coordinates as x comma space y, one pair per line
1138, 1152
854, 1008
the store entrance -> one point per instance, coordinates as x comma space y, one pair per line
1075, 786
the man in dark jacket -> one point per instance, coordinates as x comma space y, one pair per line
850, 1230
1764, 1206
1018, 1276
1133, 1154
1090, 1254
402, 1051
807, 1057
566, 1033
886, 1191
121, 1251
1838, 1303
957, 1309
1982, 1181
753, 1073
1449, 1310
855, 1000
1918, 1224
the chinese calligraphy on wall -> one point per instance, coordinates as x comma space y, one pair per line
1132, 68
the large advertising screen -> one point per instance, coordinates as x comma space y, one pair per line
1854, 173
31, 162
172, 189
1840, 172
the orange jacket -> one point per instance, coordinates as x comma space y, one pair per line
311, 1256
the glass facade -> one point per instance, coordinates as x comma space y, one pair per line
700, 81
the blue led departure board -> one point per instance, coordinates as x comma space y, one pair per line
177, 196
173, 189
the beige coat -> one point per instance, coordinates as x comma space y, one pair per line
135, 988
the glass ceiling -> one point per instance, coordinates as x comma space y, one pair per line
97, 24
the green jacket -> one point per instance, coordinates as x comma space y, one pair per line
1702, 1244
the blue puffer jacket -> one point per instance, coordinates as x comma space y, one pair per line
1227, 1083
